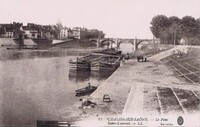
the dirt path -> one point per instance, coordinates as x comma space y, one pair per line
135, 99
118, 86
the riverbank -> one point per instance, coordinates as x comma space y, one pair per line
139, 88
130, 74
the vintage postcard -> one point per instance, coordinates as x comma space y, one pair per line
99, 63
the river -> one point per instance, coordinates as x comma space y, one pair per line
38, 85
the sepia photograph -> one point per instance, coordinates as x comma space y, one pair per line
99, 63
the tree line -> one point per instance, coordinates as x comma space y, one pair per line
170, 30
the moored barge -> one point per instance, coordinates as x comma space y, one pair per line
83, 63
106, 63
111, 51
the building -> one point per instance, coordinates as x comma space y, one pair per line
63, 35
9, 33
10, 30
7, 30
35, 31
80, 33
70, 34
48, 35
31, 33
76, 33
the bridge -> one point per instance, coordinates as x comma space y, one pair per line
99, 42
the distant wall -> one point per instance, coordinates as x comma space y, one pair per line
7, 41
43, 43
73, 44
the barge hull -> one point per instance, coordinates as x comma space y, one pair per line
104, 66
79, 66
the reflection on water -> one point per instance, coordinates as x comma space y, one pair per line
29, 54
18, 55
101, 75
79, 76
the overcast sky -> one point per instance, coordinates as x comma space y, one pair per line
117, 18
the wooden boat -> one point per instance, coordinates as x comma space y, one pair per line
83, 63
106, 63
85, 91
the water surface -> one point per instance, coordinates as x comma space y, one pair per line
37, 85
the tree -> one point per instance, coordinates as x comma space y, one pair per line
198, 24
160, 24
195, 40
174, 29
95, 34
189, 27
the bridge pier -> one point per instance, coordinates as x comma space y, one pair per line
110, 43
135, 45
98, 43
116, 43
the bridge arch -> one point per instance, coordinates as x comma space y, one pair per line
124, 41
107, 42
140, 41
93, 41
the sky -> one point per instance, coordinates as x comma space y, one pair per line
117, 18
